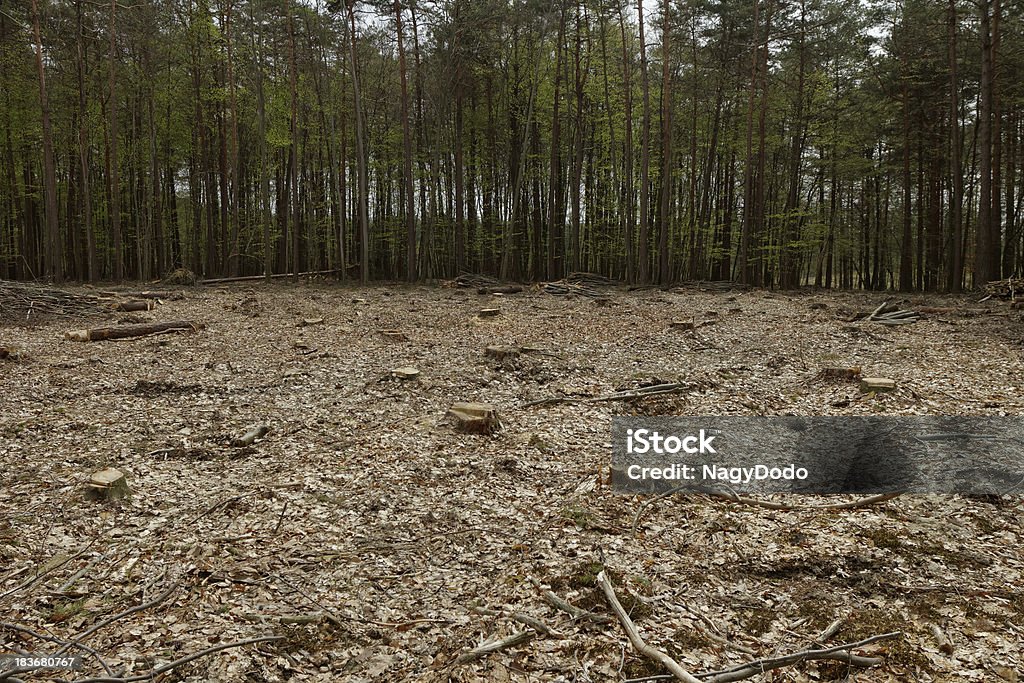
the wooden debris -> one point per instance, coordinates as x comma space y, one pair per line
503, 352
407, 373
28, 301
564, 288
13, 355
129, 331
133, 306
180, 276
488, 312
589, 279
876, 384
249, 438
943, 641
108, 484
1005, 289
473, 280
475, 418
506, 289
842, 374
148, 294
683, 325
395, 335
635, 639
492, 646
308, 322
275, 276
889, 314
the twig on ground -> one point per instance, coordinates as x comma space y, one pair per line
533, 622
180, 662
839, 653
636, 639
573, 610
476, 653
771, 505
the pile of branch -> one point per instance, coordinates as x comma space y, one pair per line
714, 285
1005, 289
890, 314
565, 288
29, 301
589, 279
475, 281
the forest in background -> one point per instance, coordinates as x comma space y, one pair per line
834, 143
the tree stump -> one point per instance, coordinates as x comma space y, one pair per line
108, 484
406, 373
876, 384
475, 418
488, 312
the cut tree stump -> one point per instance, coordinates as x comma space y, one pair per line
475, 418
876, 384
406, 373
681, 325
129, 331
488, 312
108, 484
502, 352
308, 322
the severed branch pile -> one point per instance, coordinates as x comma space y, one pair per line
29, 301
890, 314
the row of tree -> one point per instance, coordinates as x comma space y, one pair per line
775, 142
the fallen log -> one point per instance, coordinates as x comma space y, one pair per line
130, 331
275, 276
134, 306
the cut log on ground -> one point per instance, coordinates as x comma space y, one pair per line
488, 312
249, 438
108, 484
130, 331
134, 306
475, 418
275, 276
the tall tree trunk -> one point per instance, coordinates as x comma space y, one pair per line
956, 267
556, 217
410, 201
983, 265
626, 208
364, 192
52, 259
645, 159
114, 182
294, 149
746, 234
664, 276
92, 269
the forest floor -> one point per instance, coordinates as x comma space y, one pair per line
365, 513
